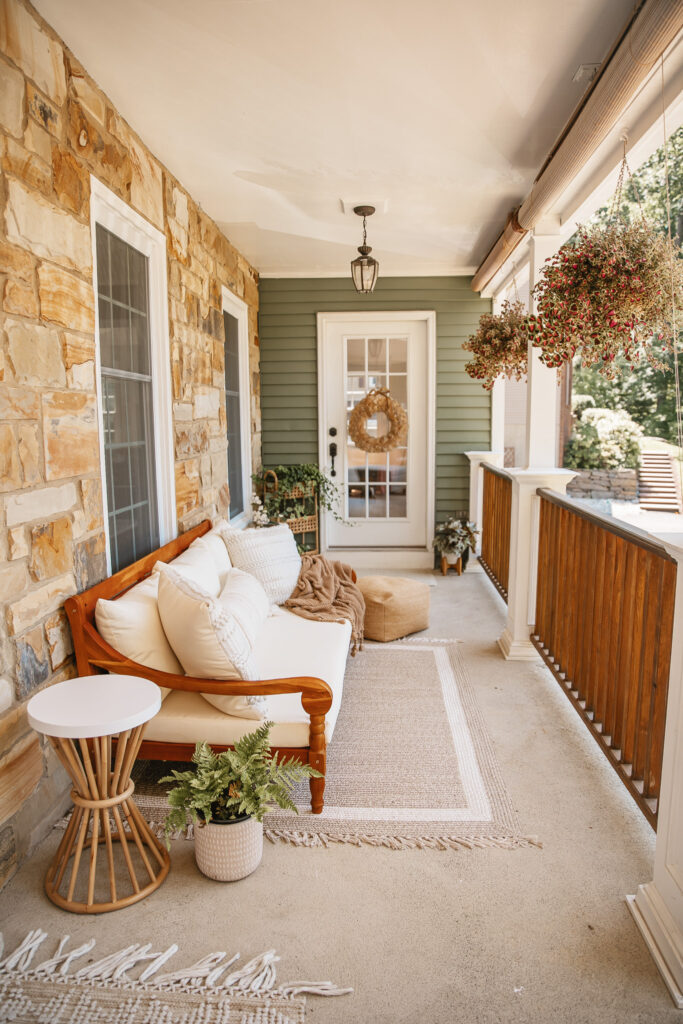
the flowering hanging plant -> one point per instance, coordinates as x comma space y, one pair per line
607, 293
500, 345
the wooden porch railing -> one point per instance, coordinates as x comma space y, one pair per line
495, 527
604, 627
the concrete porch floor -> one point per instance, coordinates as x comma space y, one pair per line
492, 935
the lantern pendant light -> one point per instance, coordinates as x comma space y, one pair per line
364, 268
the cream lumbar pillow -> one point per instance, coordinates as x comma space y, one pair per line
269, 554
196, 563
213, 638
213, 543
131, 625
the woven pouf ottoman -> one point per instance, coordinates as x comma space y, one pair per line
394, 606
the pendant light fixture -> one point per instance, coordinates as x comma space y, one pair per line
364, 268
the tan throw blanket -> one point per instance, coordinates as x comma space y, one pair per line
326, 591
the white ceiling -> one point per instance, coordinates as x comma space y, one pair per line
271, 112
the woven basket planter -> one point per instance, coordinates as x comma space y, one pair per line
228, 850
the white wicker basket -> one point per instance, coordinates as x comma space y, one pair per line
228, 850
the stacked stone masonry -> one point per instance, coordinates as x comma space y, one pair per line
620, 484
56, 129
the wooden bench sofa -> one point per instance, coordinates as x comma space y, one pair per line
94, 655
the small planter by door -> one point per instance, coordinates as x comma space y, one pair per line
229, 850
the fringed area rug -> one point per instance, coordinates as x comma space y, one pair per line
410, 764
60, 991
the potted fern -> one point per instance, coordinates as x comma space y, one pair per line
227, 796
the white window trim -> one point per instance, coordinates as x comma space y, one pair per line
116, 216
238, 308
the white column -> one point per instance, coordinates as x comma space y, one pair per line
498, 416
542, 390
514, 641
658, 906
476, 486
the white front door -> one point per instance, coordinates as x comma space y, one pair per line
387, 497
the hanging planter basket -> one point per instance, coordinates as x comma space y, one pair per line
500, 346
378, 400
613, 291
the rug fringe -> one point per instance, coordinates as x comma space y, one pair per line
256, 978
395, 842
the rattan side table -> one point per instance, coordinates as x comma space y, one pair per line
96, 724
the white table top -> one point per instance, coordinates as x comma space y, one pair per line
90, 706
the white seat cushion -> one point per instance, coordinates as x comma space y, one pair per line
269, 554
131, 625
288, 646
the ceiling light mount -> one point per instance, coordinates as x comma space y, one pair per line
364, 268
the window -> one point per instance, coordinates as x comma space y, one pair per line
232, 413
237, 406
127, 405
133, 380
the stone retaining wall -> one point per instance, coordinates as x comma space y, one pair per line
56, 128
621, 484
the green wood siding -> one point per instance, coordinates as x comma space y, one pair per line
289, 394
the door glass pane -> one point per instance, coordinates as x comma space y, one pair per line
398, 355
356, 355
368, 474
398, 385
397, 502
397, 465
377, 355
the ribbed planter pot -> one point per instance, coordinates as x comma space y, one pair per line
228, 850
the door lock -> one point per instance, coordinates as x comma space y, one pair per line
333, 454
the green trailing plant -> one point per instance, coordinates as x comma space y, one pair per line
454, 536
248, 780
283, 504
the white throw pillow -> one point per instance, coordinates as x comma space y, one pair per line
213, 542
269, 554
212, 638
131, 625
197, 564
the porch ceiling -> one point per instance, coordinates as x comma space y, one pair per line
272, 111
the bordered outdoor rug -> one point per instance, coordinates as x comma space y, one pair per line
410, 764
136, 984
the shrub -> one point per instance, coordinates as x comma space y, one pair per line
603, 439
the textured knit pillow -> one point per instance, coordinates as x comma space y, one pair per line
131, 625
270, 555
213, 638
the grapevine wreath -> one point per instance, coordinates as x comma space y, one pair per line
378, 400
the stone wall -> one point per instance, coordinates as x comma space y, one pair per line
56, 128
620, 484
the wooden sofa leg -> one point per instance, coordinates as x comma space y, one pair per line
317, 791
317, 759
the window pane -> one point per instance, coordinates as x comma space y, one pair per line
233, 414
377, 502
399, 389
127, 402
397, 465
120, 285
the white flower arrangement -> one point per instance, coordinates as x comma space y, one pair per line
259, 515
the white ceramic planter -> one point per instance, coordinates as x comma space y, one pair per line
228, 850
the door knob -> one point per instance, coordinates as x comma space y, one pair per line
333, 454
